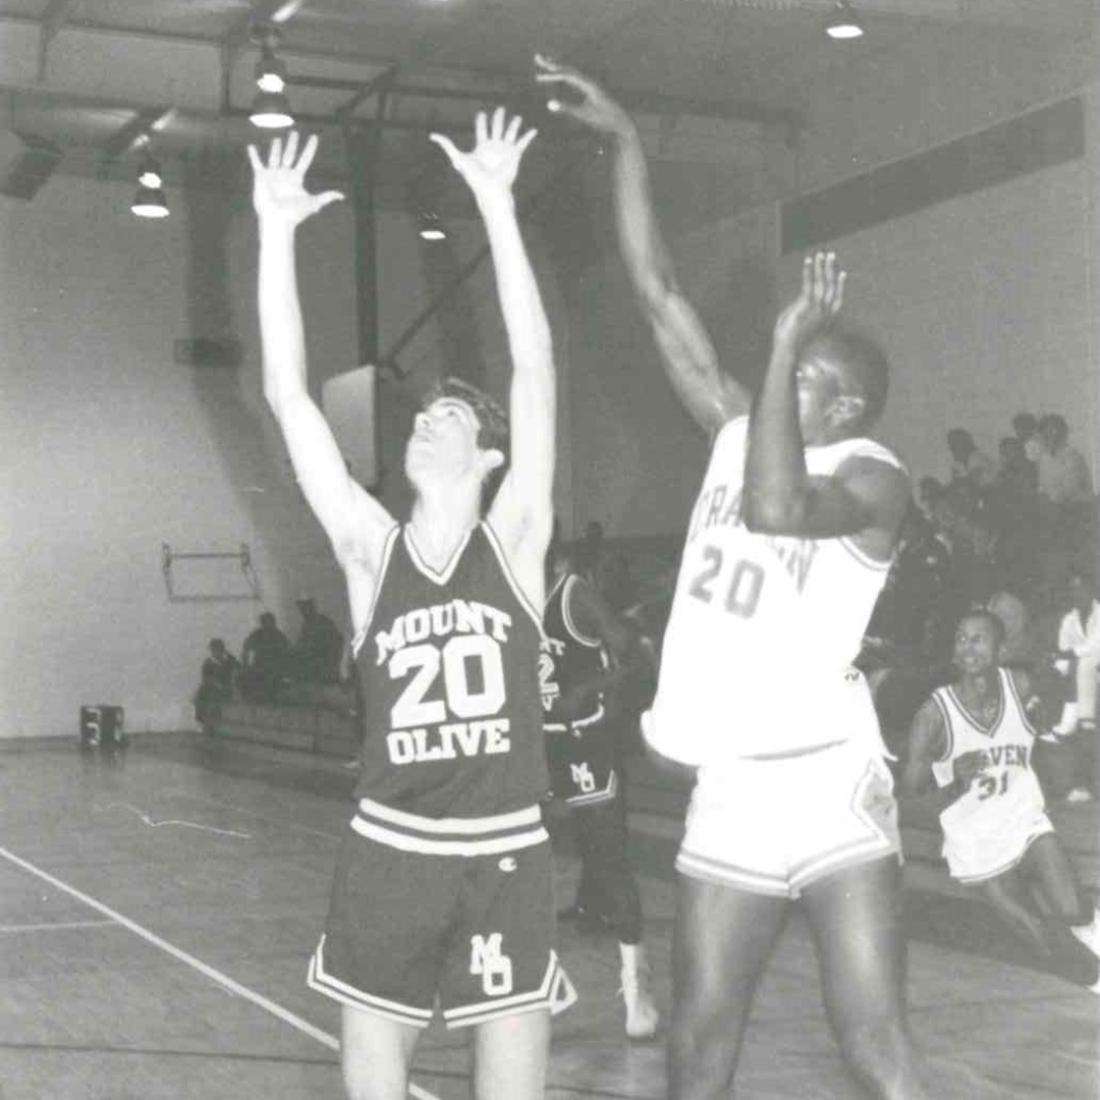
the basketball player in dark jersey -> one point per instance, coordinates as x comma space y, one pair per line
443, 886
792, 796
585, 654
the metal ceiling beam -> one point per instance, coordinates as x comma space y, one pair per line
53, 18
126, 137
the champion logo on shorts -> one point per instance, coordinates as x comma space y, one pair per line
508, 863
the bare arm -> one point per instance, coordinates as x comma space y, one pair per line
865, 497
354, 522
522, 512
927, 744
709, 394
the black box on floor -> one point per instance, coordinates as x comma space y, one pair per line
104, 724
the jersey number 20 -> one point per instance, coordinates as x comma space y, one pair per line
742, 590
414, 708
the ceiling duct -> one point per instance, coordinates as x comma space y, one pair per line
26, 162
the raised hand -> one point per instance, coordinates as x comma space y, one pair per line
596, 108
490, 167
818, 302
279, 194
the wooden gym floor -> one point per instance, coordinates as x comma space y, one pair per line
158, 907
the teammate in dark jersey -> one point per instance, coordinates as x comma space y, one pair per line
443, 886
586, 652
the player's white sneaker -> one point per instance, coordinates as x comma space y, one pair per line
642, 1017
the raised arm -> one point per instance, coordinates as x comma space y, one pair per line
522, 512
865, 496
709, 394
354, 522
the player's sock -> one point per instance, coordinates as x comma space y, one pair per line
642, 1016
1089, 934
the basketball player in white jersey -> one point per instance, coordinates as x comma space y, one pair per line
970, 759
412, 867
787, 550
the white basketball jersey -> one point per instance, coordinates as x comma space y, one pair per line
757, 655
1008, 790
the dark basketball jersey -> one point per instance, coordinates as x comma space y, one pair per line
448, 661
568, 658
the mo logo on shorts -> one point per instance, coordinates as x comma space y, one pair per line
487, 959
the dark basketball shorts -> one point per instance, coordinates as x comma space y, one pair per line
473, 934
582, 764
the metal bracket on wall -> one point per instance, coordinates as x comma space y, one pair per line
209, 581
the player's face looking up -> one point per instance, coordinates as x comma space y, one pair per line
977, 645
443, 443
828, 394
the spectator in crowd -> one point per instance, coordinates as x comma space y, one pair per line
915, 588
1016, 473
967, 461
1066, 506
1077, 660
320, 646
929, 492
266, 661
1012, 507
589, 553
1064, 477
216, 680
1025, 425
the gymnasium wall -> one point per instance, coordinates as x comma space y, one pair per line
113, 449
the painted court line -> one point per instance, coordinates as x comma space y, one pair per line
54, 925
217, 976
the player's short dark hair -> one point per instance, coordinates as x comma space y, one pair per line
493, 430
863, 359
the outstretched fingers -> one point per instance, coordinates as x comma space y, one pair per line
308, 153
291, 150
823, 282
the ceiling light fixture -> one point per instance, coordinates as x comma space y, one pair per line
270, 108
431, 228
149, 202
271, 111
843, 24
270, 71
150, 175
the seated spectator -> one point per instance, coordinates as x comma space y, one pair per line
915, 587
967, 462
929, 492
265, 659
1025, 426
319, 649
1077, 659
216, 680
1064, 476
1012, 506
1066, 506
588, 556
